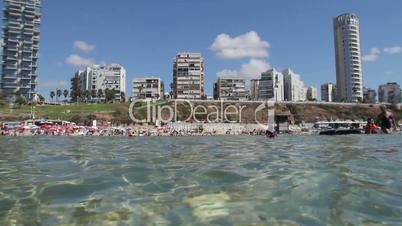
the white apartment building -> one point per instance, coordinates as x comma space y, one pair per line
389, 93
230, 88
147, 87
188, 76
328, 92
97, 77
293, 86
21, 34
271, 86
349, 76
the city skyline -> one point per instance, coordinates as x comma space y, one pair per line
150, 41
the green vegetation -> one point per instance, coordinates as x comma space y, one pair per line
65, 112
118, 113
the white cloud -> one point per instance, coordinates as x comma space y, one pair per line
77, 60
246, 45
250, 70
372, 56
393, 50
53, 84
84, 46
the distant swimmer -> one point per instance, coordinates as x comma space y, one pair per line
271, 133
386, 120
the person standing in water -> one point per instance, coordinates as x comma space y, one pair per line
387, 120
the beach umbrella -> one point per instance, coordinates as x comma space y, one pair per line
10, 127
34, 127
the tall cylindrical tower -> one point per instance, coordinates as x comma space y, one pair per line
349, 75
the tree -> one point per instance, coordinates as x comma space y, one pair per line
99, 94
58, 94
140, 88
78, 95
87, 95
83, 95
110, 95
93, 94
122, 97
41, 98
65, 93
20, 101
52, 94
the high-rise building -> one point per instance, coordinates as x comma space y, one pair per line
148, 87
271, 86
188, 76
96, 78
349, 76
293, 86
230, 88
21, 24
389, 93
311, 93
254, 89
369, 95
328, 92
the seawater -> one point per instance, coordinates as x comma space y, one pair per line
291, 180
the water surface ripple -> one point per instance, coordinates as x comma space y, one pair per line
292, 180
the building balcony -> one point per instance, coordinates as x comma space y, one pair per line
28, 50
17, 14
29, 16
11, 76
11, 67
26, 32
14, 9
28, 42
13, 40
6, 86
12, 49
13, 22
11, 83
14, 31
25, 78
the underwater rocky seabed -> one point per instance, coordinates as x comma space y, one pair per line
292, 180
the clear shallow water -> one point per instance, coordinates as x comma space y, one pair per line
348, 180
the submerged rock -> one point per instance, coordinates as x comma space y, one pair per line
210, 206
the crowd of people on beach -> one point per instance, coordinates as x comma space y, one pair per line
71, 129
385, 123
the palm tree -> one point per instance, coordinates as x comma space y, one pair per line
58, 94
122, 97
52, 94
65, 94
99, 94
87, 95
140, 88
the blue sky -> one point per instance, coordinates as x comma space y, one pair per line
144, 36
